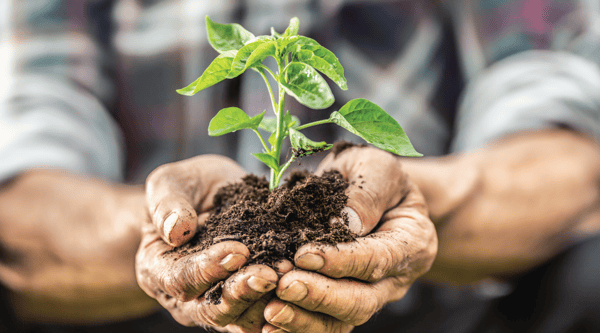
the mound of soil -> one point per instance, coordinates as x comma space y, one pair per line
274, 225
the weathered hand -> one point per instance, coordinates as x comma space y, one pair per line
342, 286
175, 192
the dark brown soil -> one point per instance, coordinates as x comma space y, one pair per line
274, 225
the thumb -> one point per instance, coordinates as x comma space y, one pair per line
377, 184
175, 191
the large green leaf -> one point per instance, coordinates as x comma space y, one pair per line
226, 37
216, 72
293, 28
232, 119
307, 86
367, 120
268, 159
269, 124
324, 61
305, 146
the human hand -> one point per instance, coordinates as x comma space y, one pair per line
174, 193
339, 287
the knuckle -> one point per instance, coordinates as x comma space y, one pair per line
216, 315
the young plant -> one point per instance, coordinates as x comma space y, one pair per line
299, 60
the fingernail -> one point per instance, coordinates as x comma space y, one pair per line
284, 316
354, 223
296, 291
310, 261
279, 330
169, 224
260, 285
233, 262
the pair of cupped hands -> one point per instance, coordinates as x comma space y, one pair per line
325, 289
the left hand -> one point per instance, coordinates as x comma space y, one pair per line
342, 286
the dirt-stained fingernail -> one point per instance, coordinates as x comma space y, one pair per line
233, 262
354, 223
169, 224
285, 316
260, 285
310, 261
296, 291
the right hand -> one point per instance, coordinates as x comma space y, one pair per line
174, 192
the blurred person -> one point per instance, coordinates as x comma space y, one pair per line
88, 109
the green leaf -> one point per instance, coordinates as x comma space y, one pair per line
268, 159
367, 120
261, 53
269, 124
324, 61
251, 54
293, 44
305, 146
226, 37
216, 72
232, 119
307, 86
292, 29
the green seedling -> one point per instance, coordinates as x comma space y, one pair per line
299, 60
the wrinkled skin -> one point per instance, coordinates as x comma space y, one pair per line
339, 287
335, 288
181, 189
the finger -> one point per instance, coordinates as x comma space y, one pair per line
175, 191
187, 277
404, 244
239, 293
294, 319
347, 300
377, 183
241, 303
253, 319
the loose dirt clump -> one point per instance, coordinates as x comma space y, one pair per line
274, 225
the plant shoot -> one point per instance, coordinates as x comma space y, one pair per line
300, 60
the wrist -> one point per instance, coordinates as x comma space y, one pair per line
446, 182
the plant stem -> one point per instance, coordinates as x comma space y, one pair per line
262, 73
283, 168
314, 123
280, 132
262, 140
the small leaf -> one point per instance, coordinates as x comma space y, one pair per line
292, 29
307, 86
294, 43
324, 61
216, 72
268, 159
261, 53
238, 66
269, 124
250, 54
232, 119
306, 146
226, 37
367, 120
272, 139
